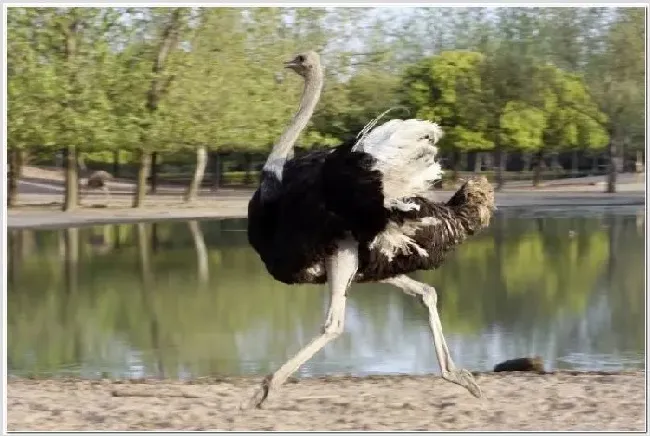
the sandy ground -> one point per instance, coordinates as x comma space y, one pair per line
96, 211
512, 401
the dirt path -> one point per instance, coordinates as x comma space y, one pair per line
514, 401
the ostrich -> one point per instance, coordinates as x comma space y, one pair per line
357, 213
96, 179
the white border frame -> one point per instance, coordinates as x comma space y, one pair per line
294, 3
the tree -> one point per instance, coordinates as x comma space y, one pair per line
606, 45
204, 102
572, 118
31, 88
148, 80
449, 90
168, 27
347, 106
522, 126
617, 82
68, 55
507, 71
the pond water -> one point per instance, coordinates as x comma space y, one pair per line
185, 299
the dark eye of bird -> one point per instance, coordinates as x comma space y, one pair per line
300, 58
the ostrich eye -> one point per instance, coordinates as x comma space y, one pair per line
300, 58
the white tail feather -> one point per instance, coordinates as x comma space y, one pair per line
406, 156
369, 126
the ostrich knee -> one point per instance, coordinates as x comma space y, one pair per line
333, 327
429, 297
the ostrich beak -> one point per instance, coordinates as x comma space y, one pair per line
290, 64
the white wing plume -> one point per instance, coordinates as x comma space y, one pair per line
406, 156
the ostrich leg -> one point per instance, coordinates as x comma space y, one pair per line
341, 268
429, 298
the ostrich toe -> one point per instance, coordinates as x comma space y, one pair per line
465, 379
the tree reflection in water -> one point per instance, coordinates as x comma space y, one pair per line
174, 299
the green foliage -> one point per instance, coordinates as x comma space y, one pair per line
346, 107
573, 119
448, 89
527, 79
54, 79
616, 74
479, 99
522, 126
204, 102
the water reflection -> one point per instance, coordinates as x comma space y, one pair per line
186, 299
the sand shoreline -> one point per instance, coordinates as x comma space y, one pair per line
563, 400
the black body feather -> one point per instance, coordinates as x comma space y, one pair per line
326, 196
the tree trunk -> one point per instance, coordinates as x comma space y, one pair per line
147, 284
501, 157
71, 279
623, 156
12, 178
199, 171
638, 163
539, 165
154, 172
143, 173
144, 254
614, 248
118, 236
217, 170
613, 165
526, 159
71, 240
555, 162
201, 251
14, 261
116, 163
158, 88
574, 163
489, 161
478, 161
155, 240
594, 164
458, 165
16, 163
71, 199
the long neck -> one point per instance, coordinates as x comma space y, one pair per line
283, 148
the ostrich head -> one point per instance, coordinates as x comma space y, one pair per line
305, 64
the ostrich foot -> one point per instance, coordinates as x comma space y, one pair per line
465, 379
258, 397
